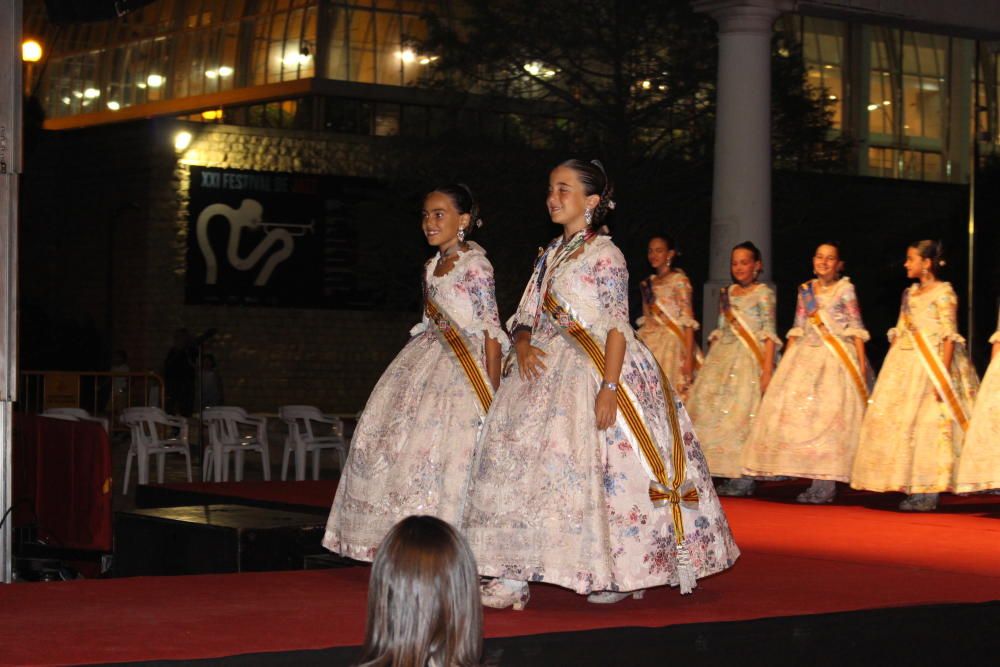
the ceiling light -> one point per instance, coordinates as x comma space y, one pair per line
114, 106
31, 51
225, 71
91, 93
155, 80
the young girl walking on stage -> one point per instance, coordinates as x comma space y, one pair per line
979, 467
726, 395
809, 419
912, 433
667, 325
588, 474
414, 441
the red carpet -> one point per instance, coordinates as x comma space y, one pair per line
797, 560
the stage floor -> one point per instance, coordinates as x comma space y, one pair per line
797, 560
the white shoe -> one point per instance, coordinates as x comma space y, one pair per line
611, 597
502, 593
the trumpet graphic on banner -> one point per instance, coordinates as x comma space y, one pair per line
249, 216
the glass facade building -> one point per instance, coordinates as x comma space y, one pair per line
910, 102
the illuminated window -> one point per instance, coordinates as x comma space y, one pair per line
823, 52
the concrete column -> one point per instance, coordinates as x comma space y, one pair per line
741, 183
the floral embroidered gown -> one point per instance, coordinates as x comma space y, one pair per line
673, 294
726, 395
810, 418
414, 442
979, 467
909, 442
553, 499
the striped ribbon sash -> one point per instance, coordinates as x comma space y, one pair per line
662, 316
453, 339
740, 327
938, 374
817, 318
678, 491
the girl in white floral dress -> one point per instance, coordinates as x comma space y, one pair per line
588, 474
667, 324
979, 467
809, 420
912, 433
414, 441
726, 396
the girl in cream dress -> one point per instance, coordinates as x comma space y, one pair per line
667, 324
414, 442
979, 467
912, 433
810, 418
726, 395
588, 476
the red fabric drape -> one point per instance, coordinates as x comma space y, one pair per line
62, 481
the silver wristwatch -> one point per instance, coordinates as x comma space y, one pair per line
613, 386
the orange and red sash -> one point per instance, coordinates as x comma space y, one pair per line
452, 338
739, 326
818, 319
677, 491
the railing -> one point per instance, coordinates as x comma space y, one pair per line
101, 393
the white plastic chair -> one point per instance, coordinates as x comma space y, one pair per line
144, 425
75, 414
302, 440
224, 437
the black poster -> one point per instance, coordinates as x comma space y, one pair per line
277, 239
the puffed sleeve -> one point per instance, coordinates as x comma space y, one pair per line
479, 285
720, 324
682, 293
421, 326
799, 327
852, 313
767, 317
947, 310
893, 333
611, 280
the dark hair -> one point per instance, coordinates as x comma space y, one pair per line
464, 202
832, 244
666, 238
932, 250
595, 182
747, 245
424, 608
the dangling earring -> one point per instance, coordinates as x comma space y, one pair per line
461, 235
756, 272
588, 215
669, 261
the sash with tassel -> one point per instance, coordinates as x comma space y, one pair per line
662, 317
679, 491
939, 376
817, 318
740, 327
452, 338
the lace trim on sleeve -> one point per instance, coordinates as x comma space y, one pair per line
954, 337
641, 321
715, 335
795, 332
892, 334
764, 336
477, 328
690, 323
605, 325
861, 334
995, 338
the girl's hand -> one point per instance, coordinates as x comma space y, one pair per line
605, 408
529, 360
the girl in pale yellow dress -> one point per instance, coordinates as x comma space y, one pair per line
667, 324
737, 369
810, 418
912, 433
979, 467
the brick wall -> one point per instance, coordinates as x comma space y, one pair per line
131, 234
